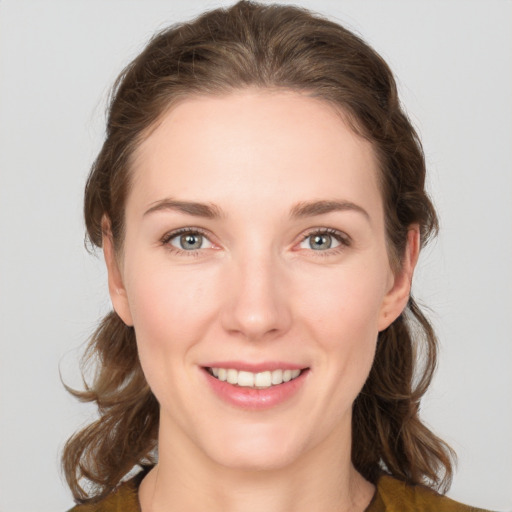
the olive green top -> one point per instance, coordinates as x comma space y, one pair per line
391, 495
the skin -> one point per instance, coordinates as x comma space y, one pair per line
258, 289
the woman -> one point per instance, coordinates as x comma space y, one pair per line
260, 203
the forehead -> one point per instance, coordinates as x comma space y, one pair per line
211, 148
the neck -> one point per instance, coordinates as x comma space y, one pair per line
322, 479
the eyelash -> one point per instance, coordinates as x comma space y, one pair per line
343, 239
183, 231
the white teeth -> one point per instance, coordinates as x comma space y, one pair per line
254, 380
245, 379
232, 376
277, 376
262, 380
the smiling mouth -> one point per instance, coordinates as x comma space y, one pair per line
260, 380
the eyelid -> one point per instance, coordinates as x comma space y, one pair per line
164, 240
181, 231
344, 239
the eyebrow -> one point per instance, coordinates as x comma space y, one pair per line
312, 208
300, 210
209, 211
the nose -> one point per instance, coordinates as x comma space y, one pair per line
256, 304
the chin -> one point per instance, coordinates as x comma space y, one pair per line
248, 460
262, 451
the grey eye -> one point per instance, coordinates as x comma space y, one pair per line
320, 242
189, 241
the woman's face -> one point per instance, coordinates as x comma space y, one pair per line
255, 249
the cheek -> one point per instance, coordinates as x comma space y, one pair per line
342, 313
172, 311
348, 334
346, 304
167, 303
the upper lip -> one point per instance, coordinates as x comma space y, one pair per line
255, 367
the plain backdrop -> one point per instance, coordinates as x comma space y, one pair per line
453, 61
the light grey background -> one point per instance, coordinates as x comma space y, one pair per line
57, 60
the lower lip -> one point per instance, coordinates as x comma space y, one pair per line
256, 399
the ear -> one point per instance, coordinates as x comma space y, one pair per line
116, 287
397, 297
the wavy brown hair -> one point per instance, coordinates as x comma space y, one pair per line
277, 47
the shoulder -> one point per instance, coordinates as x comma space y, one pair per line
393, 495
124, 498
